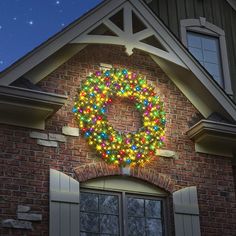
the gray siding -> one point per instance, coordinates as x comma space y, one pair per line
218, 12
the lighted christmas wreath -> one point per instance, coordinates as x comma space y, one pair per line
90, 110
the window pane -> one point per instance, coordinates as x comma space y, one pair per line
218, 79
197, 53
202, 63
136, 226
194, 40
89, 222
109, 224
210, 43
153, 227
108, 204
213, 69
89, 202
135, 206
212, 57
152, 208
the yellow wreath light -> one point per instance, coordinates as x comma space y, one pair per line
90, 112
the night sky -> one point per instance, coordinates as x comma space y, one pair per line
24, 24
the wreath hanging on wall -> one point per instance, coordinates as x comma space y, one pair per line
90, 111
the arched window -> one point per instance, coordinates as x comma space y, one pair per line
121, 206
207, 44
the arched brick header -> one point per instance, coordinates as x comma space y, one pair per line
95, 170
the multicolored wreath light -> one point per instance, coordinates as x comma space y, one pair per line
90, 109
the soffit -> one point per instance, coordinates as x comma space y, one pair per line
27, 108
213, 137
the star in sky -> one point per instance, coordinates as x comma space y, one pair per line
33, 22
30, 22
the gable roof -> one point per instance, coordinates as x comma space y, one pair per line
154, 38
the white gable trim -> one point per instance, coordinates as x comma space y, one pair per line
129, 39
53, 62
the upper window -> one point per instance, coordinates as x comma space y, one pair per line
207, 51
207, 44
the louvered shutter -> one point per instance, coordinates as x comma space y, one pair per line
64, 205
186, 212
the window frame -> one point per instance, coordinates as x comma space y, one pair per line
149, 197
201, 26
87, 190
123, 214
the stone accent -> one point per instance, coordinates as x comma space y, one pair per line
47, 140
16, 224
57, 137
167, 153
24, 218
47, 143
21, 208
104, 66
125, 170
70, 131
29, 216
39, 135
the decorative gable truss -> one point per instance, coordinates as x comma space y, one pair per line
127, 27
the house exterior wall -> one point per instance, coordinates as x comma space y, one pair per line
217, 12
24, 164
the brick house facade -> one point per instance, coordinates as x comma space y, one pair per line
27, 154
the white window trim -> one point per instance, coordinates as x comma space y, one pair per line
204, 27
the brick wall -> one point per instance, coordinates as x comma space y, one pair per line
25, 165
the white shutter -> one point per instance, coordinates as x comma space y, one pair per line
64, 205
186, 212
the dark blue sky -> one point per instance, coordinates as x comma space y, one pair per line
24, 24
